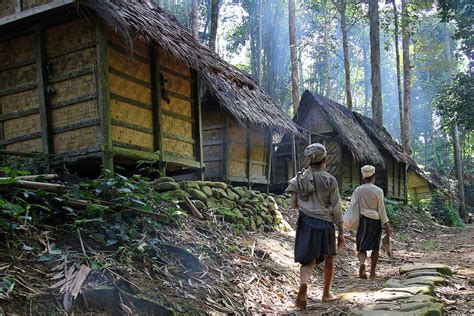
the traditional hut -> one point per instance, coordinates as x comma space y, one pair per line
238, 135
396, 160
348, 144
111, 80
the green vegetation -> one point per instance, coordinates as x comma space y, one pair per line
440, 210
395, 212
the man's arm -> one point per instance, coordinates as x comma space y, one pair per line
294, 201
383, 214
335, 200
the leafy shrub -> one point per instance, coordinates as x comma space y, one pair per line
439, 209
394, 211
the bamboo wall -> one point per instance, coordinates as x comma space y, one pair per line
232, 150
418, 187
19, 103
178, 114
213, 142
49, 95
9, 7
134, 101
72, 82
130, 94
395, 181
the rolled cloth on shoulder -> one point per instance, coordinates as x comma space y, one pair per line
304, 181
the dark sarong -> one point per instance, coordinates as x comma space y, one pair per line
368, 234
315, 238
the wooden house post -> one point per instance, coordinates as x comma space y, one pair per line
104, 98
225, 148
156, 106
44, 111
196, 101
249, 154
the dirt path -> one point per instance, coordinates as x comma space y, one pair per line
453, 247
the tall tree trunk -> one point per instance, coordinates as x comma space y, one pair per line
458, 165
377, 113
214, 22
406, 128
345, 47
194, 19
399, 80
327, 57
366, 80
294, 54
259, 40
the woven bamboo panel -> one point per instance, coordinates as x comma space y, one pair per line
139, 46
132, 137
19, 101
131, 114
211, 118
7, 7
178, 147
213, 152
76, 139
177, 126
258, 154
65, 64
258, 171
177, 85
213, 169
18, 49
21, 126
237, 151
29, 4
172, 63
212, 135
179, 106
129, 65
17, 76
129, 89
237, 132
238, 169
75, 113
69, 35
73, 88
26, 146
258, 136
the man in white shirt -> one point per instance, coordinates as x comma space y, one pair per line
372, 216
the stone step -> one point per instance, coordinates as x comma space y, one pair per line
419, 273
426, 278
421, 298
441, 268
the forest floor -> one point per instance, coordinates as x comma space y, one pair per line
218, 269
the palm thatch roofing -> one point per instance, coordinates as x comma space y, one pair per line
236, 92
351, 133
385, 139
395, 149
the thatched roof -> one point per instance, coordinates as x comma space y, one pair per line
396, 150
235, 91
351, 133
385, 139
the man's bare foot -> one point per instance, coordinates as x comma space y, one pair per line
362, 273
373, 276
302, 297
329, 297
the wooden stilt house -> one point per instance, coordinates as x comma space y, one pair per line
348, 145
237, 133
116, 81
